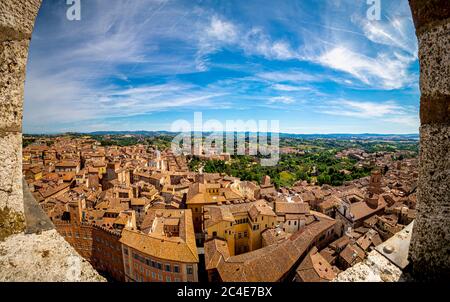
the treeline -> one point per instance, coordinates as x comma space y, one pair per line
160, 142
122, 141
369, 146
322, 167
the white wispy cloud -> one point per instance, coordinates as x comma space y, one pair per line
361, 109
281, 99
289, 76
289, 88
222, 30
257, 42
134, 57
216, 34
376, 54
395, 32
411, 121
68, 100
389, 111
386, 71
221, 33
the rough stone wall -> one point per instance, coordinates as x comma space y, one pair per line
44, 257
375, 268
16, 26
430, 246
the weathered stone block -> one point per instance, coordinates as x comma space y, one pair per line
434, 163
376, 268
13, 60
17, 18
434, 57
10, 223
430, 243
46, 257
435, 109
11, 194
428, 12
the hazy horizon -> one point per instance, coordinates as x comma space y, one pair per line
206, 131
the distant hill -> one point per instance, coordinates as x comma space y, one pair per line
140, 132
361, 136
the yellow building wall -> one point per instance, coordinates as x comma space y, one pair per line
225, 231
241, 244
264, 222
101, 171
230, 233
197, 216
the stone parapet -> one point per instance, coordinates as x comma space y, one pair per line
46, 257
375, 268
386, 263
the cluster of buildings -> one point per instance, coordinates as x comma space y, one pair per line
139, 214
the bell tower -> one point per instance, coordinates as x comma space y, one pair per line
375, 182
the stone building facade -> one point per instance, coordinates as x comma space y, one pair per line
100, 246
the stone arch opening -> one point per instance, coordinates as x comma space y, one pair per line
35, 243
430, 246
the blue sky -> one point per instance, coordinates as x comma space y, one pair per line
316, 66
